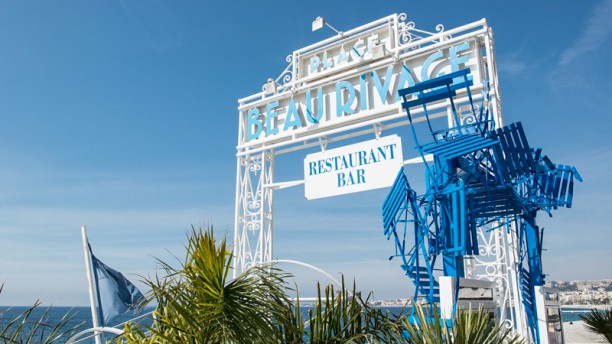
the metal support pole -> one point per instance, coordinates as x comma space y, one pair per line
92, 286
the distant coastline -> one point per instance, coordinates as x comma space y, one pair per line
586, 306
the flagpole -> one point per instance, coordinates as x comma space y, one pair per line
91, 284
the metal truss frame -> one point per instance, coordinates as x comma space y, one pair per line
255, 184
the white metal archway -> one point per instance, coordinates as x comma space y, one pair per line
306, 106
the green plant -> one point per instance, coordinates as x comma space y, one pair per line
422, 327
599, 322
28, 328
468, 327
198, 303
344, 317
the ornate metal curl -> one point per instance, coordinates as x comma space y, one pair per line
253, 226
255, 165
252, 202
286, 77
404, 30
468, 119
408, 32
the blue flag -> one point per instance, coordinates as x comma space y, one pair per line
116, 295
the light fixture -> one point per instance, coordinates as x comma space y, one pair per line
378, 49
270, 86
319, 22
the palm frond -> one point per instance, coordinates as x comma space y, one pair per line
468, 327
599, 322
26, 327
197, 302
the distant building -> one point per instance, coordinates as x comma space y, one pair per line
584, 292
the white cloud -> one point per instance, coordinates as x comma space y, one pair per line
597, 32
513, 64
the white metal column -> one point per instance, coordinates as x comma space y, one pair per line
254, 201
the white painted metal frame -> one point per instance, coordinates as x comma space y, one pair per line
255, 185
380, 119
254, 204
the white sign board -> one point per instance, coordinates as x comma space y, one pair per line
345, 94
359, 167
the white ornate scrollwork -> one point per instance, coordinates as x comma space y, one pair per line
253, 235
497, 263
408, 32
252, 241
468, 119
284, 81
439, 30
286, 77
253, 201
255, 166
488, 264
490, 255
405, 36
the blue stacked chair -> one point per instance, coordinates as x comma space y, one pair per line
480, 175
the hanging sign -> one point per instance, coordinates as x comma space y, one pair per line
359, 167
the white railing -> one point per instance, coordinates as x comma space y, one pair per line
99, 331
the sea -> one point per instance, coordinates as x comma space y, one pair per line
81, 316
80, 319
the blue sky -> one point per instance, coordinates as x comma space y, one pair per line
121, 115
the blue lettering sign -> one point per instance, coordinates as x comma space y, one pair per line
310, 117
405, 80
315, 62
293, 117
455, 60
342, 108
253, 121
351, 178
360, 94
363, 93
383, 90
425, 71
270, 116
